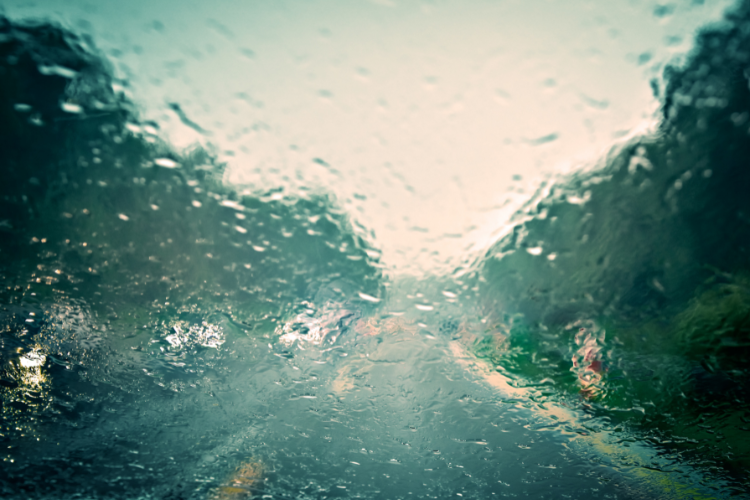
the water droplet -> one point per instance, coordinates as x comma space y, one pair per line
232, 204
166, 163
70, 107
368, 298
544, 139
57, 71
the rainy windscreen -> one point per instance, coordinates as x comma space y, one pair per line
374, 249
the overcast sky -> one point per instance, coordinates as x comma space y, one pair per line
419, 116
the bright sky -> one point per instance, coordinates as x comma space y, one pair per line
416, 115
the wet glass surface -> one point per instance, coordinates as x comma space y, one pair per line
424, 250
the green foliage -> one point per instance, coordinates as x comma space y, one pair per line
715, 326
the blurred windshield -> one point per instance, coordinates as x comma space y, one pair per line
375, 249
